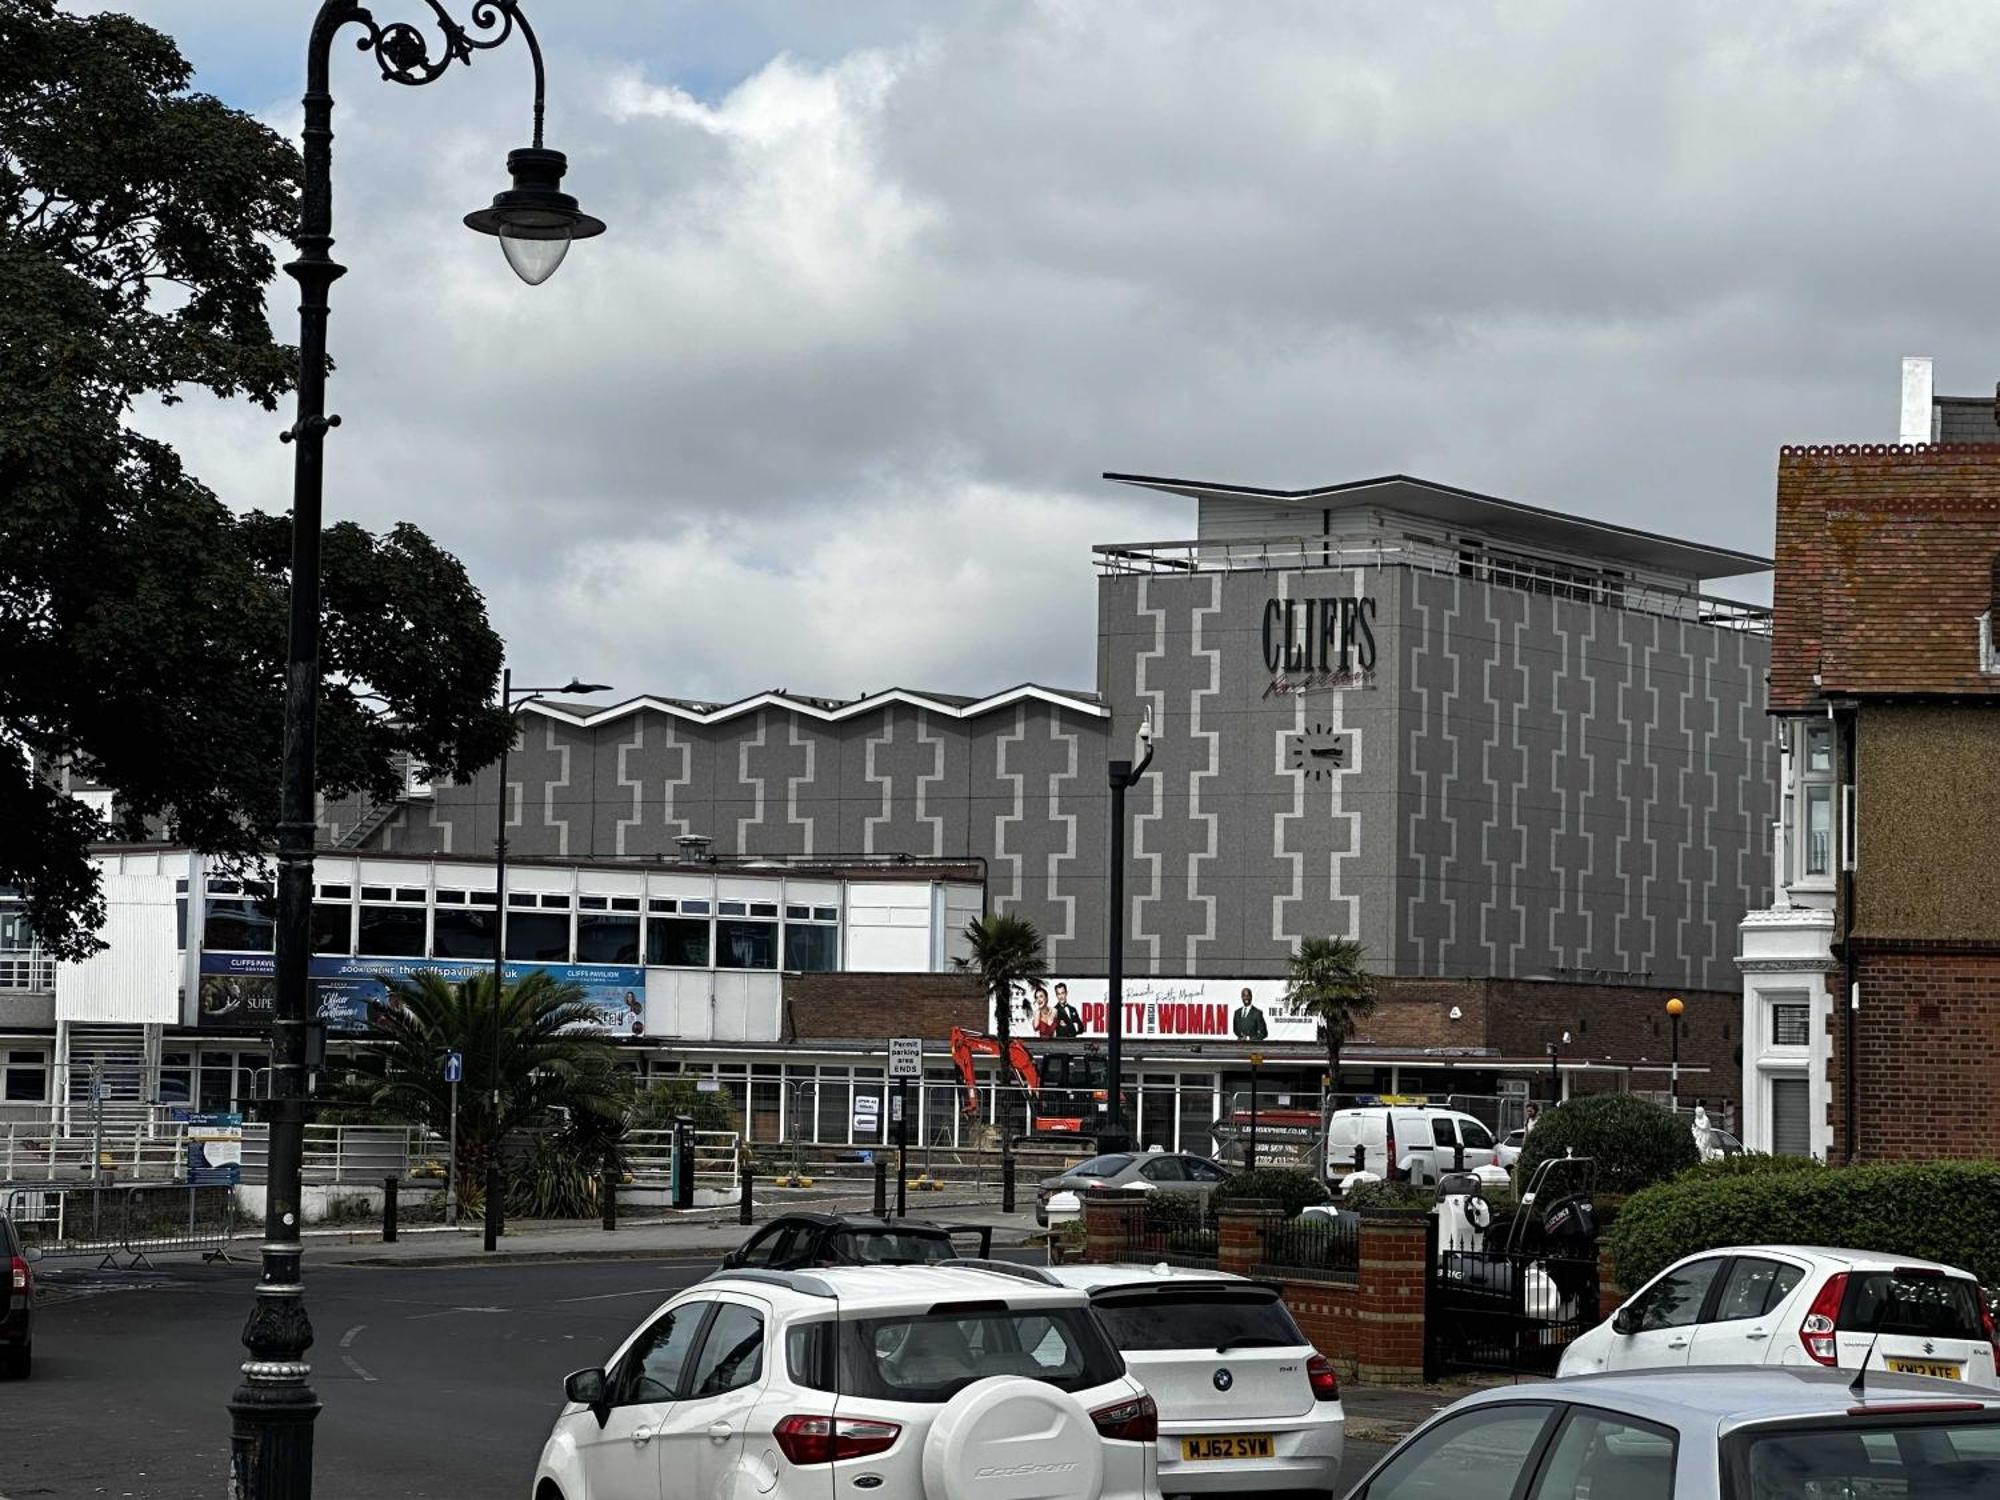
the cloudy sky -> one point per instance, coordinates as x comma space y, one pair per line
889, 283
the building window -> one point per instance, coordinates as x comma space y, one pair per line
538, 936
746, 943
332, 928
1819, 749
1819, 830
239, 924
176, 1078
1791, 1117
393, 931
1791, 1024
811, 947
460, 932
1816, 853
606, 939
677, 942
24, 1076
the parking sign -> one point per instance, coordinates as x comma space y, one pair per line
906, 1057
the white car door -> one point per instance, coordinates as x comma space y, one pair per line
1742, 1327
701, 1439
621, 1459
1662, 1318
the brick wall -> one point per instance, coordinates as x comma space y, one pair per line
870, 1005
1925, 1084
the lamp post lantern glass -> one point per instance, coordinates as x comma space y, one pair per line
535, 220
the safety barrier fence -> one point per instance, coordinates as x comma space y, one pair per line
137, 1220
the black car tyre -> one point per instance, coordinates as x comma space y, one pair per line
18, 1362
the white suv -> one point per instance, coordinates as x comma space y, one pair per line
915, 1382
1247, 1404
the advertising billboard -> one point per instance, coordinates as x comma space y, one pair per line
240, 989
1193, 1010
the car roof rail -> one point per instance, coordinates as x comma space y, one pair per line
797, 1281
1015, 1269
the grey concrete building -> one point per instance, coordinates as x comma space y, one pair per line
1483, 738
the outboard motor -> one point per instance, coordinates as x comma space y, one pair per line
1569, 1231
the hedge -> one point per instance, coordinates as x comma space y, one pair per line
1634, 1144
1944, 1211
1293, 1191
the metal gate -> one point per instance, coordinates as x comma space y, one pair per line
1512, 1311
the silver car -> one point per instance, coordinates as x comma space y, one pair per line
1169, 1171
1744, 1433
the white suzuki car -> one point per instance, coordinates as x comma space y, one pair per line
1247, 1405
936, 1382
1797, 1305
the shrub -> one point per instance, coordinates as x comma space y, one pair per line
1751, 1164
1292, 1191
1635, 1144
1945, 1211
1380, 1195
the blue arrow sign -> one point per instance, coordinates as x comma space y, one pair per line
454, 1067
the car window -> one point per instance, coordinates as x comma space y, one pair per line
1147, 1320
1476, 1456
1597, 1455
1515, 1138
1441, 1133
651, 1369
1161, 1169
732, 1352
1753, 1287
1674, 1301
1956, 1460
894, 1247
1199, 1170
1101, 1166
931, 1357
1475, 1135
1914, 1303
763, 1248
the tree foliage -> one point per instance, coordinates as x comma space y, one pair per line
142, 623
1634, 1143
1004, 952
1325, 980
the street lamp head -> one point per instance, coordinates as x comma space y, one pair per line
535, 219
574, 686
1674, 1006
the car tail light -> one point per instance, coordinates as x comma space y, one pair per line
826, 1440
1817, 1332
1129, 1421
1986, 1322
1323, 1378
1389, 1151
20, 1278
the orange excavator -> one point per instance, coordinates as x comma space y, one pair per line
1065, 1092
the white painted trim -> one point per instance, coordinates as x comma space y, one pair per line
835, 715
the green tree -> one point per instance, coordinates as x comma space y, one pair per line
1005, 952
554, 1069
1633, 1143
1325, 980
142, 623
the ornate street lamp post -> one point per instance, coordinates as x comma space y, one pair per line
1122, 775
274, 1408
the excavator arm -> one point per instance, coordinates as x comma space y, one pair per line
966, 1045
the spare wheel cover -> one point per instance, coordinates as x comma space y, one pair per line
1009, 1438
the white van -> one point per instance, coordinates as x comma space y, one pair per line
1407, 1142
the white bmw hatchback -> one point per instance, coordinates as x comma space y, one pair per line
1247, 1405
937, 1382
1799, 1305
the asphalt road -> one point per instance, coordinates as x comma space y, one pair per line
436, 1383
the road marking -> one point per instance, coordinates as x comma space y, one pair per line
445, 1312
354, 1365
644, 1291
347, 1339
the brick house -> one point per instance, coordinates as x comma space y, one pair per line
1872, 984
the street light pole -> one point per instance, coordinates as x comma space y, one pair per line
1122, 775
272, 1411
512, 700
1674, 1009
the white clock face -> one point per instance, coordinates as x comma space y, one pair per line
1317, 751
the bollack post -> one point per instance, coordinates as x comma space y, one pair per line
1007, 1186
389, 1188
492, 1204
607, 1192
902, 1147
743, 1202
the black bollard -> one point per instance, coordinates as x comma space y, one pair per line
882, 1187
607, 1193
492, 1205
743, 1204
1007, 1183
388, 1210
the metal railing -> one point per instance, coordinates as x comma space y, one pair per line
27, 970
649, 1155
37, 1151
1324, 1247
138, 1220
1275, 553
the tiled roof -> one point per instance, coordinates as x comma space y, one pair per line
1885, 564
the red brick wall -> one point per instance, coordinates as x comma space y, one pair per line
1925, 1084
871, 1005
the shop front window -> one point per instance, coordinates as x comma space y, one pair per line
742, 943
393, 931
239, 924
606, 938
538, 937
677, 942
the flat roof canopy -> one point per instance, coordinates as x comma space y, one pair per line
1455, 507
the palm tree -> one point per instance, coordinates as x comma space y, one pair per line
1325, 980
550, 1058
1004, 951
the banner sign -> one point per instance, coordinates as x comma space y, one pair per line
240, 989
1192, 1010
214, 1149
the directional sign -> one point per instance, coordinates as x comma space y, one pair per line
906, 1057
454, 1067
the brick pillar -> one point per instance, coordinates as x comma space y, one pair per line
1112, 1224
1239, 1234
1389, 1301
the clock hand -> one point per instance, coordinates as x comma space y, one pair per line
1329, 752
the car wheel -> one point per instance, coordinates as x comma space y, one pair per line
19, 1362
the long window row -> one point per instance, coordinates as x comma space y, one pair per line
681, 932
